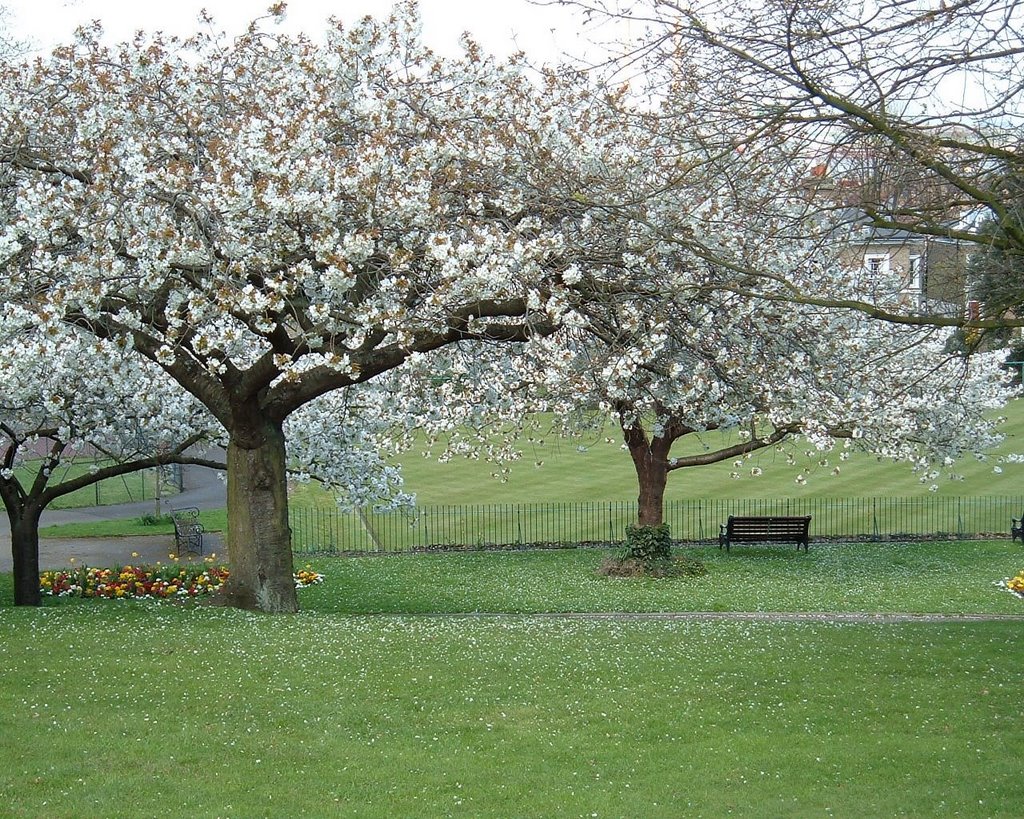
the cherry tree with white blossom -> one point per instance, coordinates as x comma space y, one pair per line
269, 220
706, 353
739, 376
66, 396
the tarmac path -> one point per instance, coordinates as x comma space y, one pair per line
203, 488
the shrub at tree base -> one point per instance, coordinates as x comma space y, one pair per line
648, 553
648, 543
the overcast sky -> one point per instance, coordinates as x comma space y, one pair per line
502, 26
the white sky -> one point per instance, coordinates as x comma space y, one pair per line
501, 26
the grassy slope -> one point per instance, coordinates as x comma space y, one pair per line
130, 488
602, 471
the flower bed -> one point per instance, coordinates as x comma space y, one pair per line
1014, 585
307, 577
160, 582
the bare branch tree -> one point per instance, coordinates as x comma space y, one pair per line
910, 112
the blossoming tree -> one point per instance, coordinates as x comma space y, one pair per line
64, 395
774, 376
67, 396
270, 220
736, 375
909, 112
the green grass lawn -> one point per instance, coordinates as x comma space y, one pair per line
129, 709
213, 520
591, 469
924, 577
129, 488
954, 577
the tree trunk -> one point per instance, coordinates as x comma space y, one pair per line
651, 501
650, 460
650, 539
259, 539
25, 554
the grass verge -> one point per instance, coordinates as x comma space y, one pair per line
953, 577
213, 520
194, 710
200, 711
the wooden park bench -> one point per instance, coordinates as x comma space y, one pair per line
188, 531
766, 529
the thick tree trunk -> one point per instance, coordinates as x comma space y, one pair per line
25, 554
651, 501
649, 540
259, 539
650, 460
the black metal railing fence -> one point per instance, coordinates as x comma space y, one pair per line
880, 518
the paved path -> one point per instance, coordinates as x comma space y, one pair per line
742, 616
203, 488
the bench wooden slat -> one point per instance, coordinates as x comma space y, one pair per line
766, 529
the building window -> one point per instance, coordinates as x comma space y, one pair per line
876, 264
916, 278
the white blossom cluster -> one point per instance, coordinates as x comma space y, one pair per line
777, 373
342, 439
64, 392
277, 201
269, 220
66, 395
